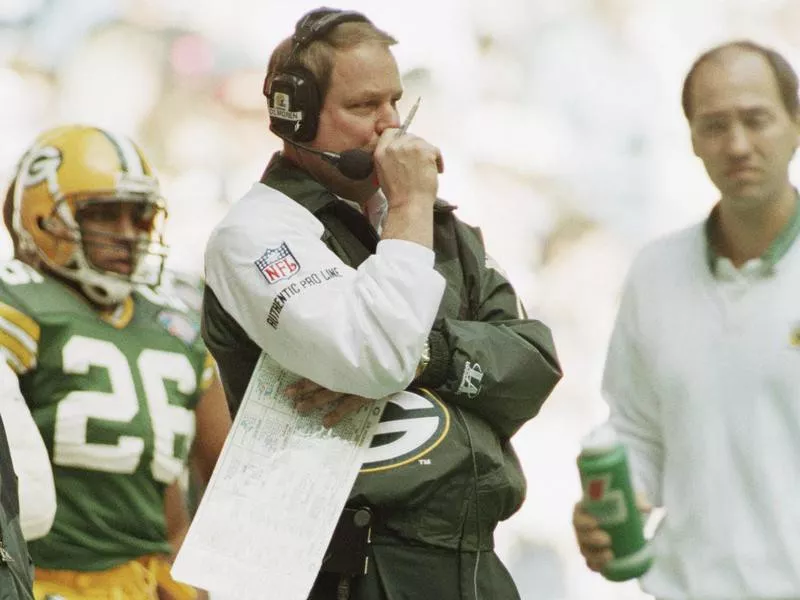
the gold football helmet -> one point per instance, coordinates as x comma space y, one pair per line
73, 169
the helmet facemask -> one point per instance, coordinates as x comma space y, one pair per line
112, 262
108, 264
107, 238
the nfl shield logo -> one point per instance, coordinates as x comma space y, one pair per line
277, 263
281, 101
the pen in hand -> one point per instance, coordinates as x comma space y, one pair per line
410, 117
407, 122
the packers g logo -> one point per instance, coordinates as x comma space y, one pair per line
43, 166
413, 424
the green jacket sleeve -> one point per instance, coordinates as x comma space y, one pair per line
490, 358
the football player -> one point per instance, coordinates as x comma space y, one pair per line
112, 368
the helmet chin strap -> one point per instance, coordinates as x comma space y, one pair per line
108, 294
103, 290
98, 287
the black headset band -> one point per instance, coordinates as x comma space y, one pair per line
316, 24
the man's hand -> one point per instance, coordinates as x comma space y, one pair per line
309, 396
407, 168
594, 543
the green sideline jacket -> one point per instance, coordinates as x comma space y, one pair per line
490, 371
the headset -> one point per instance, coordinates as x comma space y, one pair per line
293, 95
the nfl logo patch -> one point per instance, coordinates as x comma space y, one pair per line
277, 263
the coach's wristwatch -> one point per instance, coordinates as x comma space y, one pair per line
424, 359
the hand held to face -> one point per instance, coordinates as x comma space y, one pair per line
407, 168
408, 173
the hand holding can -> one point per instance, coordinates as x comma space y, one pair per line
609, 498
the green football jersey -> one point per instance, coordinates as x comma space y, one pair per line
113, 395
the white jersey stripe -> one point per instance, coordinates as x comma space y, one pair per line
20, 335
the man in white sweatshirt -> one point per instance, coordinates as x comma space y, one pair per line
703, 370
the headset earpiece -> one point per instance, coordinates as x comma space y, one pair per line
294, 104
293, 97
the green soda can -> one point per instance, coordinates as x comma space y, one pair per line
608, 496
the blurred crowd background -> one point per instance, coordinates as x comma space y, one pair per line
559, 122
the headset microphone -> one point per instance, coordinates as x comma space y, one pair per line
353, 164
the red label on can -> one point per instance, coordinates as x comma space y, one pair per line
596, 488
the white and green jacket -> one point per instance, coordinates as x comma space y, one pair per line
301, 274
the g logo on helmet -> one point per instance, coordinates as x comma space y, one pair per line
43, 165
413, 424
